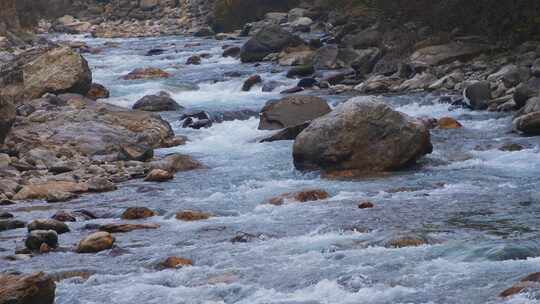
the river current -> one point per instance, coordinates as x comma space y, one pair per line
477, 207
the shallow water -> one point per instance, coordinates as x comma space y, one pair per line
476, 206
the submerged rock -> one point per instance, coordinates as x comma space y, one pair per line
250, 82
36, 288
158, 175
11, 224
175, 262
448, 123
287, 134
300, 196
136, 213
190, 216
291, 111
363, 136
123, 228
532, 280
96, 242
146, 73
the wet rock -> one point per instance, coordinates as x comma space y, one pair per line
233, 51
136, 152
366, 205
363, 135
271, 85
36, 288
100, 184
35, 238
307, 83
123, 228
244, 237
155, 52
511, 147
97, 91
196, 120
406, 242
63, 216
300, 196
301, 71
55, 196
146, 73
532, 280
48, 224
162, 101
194, 60
175, 262
158, 175
11, 224
176, 163
447, 53
136, 213
287, 134
270, 39
96, 242
448, 123
291, 111
191, 216
5, 215
292, 90
301, 55
528, 124
57, 71
250, 82
477, 95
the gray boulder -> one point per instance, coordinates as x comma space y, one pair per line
157, 103
361, 136
291, 111
270, 39
528, 124
477, 95
38, 237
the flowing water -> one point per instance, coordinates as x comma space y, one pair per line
477, 207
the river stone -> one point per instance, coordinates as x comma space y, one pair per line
96, 242
27, 289
48, 224
158, 175
146, 73
11, 224
286, 134
97, 91
37, 237
362, 136
477, 95
522, 93
291, 111
270, 39
60, 70
136, 213
162, 101
326, 57
528, 124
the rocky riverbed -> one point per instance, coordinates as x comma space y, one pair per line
280, 166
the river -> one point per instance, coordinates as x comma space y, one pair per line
477, 207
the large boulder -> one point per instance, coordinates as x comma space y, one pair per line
291, 111
361, 136
447, 53
60, 70
477, 95
7, 118
528, 124
27, 289
270, 39
156, 103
